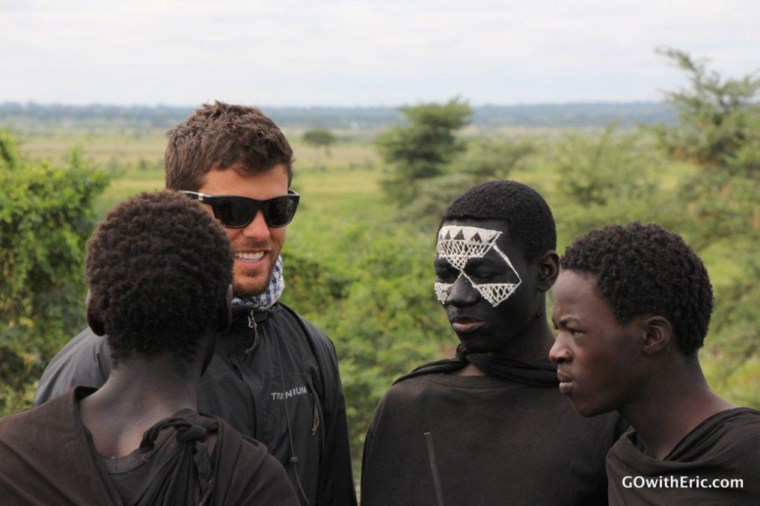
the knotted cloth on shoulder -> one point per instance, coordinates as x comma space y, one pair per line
182, 473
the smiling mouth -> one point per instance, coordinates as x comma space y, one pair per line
250, 256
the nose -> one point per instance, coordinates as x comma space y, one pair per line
559, 352
462, 293
258, 228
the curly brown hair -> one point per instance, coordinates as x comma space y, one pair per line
158, 268
219, 136
645, 269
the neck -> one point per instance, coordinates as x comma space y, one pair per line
533, 343
530, 345
670, 406
136, 396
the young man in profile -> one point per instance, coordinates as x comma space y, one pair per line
158, 271
274, 375
632, 305
489, 426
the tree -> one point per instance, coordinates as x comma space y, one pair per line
719, 132
484, 160
421, 149
320, 137
612, 177
46, 218
718, 119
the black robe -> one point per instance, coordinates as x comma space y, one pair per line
482, 440
726, 446
47, 457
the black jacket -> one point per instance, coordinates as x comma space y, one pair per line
282, 388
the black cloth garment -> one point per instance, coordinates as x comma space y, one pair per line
273, 377
540, 373
438, 438
47, 457
724, 447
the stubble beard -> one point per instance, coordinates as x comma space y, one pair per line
248, 288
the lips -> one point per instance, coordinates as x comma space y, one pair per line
565, 383
465, 325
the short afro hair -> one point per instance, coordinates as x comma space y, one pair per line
219, 136
526, 212
158, 268
645, 269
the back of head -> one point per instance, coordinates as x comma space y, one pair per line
158, 268
645, 269
220, 136
527, 214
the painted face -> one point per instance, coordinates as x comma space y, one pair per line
257, 246
460, 244
597, 358
484, 283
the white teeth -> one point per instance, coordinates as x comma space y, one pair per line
250, 257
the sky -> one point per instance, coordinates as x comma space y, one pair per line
364, 53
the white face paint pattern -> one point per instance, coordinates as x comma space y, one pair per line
457, 245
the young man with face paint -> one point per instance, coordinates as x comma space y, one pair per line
274, 375
632, 307
489, 426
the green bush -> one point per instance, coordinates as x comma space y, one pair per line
45, 220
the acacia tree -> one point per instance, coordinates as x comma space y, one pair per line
718, 119
320, 137
719, 132
421, 149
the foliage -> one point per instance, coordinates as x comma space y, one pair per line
612, 177
421, 149
381, 312
485, 159
718, 119
45, 220
719, 131
320, 137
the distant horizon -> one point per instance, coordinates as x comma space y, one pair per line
594, 114
322, 106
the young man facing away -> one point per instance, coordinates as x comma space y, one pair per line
158, 270
632, 306
274, 375
489, 427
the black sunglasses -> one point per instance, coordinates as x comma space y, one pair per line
234, 211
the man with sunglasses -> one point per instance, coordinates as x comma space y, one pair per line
274, 376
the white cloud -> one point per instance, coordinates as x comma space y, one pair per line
340, 52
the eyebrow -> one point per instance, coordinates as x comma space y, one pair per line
566, 320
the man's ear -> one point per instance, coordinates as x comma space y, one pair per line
225, 313
93, 320
658, 334
548, 270
95, 323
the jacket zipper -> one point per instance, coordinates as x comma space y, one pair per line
252, 325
